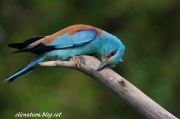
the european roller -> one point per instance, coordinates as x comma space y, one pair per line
72, 41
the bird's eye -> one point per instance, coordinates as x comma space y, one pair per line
113, 53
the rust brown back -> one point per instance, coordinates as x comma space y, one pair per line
71, 30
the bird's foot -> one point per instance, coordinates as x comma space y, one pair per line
79, 60
82, 60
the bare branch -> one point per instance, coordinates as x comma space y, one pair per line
124, 89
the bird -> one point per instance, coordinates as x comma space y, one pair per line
70, 42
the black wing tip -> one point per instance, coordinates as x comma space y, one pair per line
18, 45
14, 52
37, 49
25, 43
17, 51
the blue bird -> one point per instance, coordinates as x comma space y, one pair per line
72, 41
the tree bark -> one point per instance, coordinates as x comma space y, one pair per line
120, 86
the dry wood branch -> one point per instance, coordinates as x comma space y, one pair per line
124, 89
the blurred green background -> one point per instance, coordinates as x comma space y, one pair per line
150, 31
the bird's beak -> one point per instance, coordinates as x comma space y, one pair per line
103, 64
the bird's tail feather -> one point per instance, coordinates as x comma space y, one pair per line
32, 65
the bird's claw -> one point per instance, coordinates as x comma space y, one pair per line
82, 59
79, 60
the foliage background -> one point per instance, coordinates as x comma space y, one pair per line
150, 31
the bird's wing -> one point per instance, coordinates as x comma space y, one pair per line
26, 43
78, 39
52, 42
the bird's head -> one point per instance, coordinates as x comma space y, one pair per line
111, 55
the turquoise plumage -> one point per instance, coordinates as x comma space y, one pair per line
72, 41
